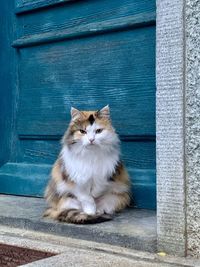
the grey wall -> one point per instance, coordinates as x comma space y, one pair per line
192, 124
178, 126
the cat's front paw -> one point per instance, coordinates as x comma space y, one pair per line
104, 210
89, 209
100, 212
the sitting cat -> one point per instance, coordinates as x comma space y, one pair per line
88, 181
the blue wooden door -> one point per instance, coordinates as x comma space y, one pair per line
86, 54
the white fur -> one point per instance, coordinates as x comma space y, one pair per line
90, 172
62, 188
107, 204
87, 203
70, 203
90, 165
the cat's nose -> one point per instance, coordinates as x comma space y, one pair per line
91, 140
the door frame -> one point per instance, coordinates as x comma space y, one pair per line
177, 133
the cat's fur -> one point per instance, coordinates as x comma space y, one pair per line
88, 181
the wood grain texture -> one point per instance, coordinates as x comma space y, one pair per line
7, 79
105, 26
22, 6
38, 151
89, 73
140, 155
24, 179
80, 13
130, 138
143, 188
82, 18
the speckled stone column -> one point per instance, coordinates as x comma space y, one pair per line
178, 126
192, 125
171, 213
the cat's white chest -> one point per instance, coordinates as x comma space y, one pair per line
98, 187
91, 171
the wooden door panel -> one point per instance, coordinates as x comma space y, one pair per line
25, 179
114, 68
138, 154
84, 14
84, 53
38, 151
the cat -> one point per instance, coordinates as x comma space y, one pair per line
88, 181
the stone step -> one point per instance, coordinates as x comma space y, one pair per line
132, 228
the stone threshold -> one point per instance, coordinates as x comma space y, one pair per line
135, 229
75, 252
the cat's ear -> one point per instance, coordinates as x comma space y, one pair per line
75, 113
104, 112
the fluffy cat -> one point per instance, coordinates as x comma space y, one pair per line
88, 181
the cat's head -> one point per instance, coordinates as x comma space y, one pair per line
91, 129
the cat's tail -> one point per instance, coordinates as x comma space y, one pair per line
79, 217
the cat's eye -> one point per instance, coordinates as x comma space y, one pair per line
82, 131
99, 131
